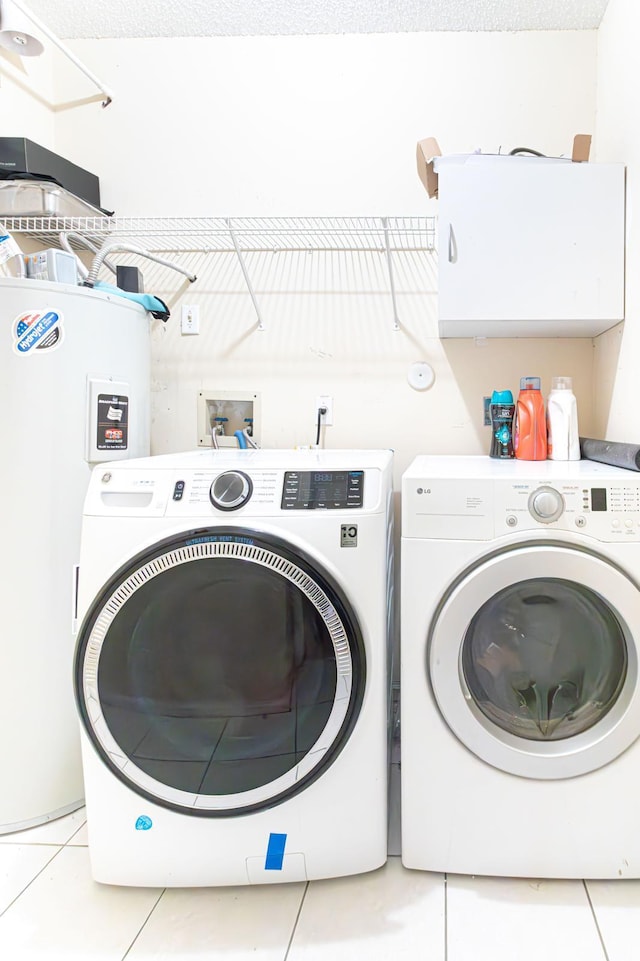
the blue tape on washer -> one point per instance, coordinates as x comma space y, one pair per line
275, 852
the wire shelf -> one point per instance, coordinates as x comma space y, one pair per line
386, 240
248, 233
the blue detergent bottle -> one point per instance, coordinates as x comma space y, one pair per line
502, 410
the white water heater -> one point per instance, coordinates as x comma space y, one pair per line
75, 390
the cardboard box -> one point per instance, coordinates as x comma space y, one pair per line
24, 156
581, 147
428, 152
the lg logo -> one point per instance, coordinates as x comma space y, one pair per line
424, 490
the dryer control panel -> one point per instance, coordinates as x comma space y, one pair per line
480, 509
607, 511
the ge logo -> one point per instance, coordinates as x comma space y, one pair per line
422, 490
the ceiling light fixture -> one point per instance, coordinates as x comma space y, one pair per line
14, 37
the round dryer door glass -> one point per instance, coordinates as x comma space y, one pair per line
532, 658
220, 672
544, 659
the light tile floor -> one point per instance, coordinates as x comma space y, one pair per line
51, 910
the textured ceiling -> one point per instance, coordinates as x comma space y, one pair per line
71, 19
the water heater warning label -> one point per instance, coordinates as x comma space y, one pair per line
113, 422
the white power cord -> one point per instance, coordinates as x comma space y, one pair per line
111, 246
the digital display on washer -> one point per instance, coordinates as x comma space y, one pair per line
598, 498
322, 489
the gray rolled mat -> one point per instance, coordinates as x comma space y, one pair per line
610, 452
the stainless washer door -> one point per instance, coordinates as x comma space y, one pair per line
533, 660
220, 672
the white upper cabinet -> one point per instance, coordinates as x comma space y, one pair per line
529, 247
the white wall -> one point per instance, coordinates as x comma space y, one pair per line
325, 126
315, 125
26, 98
617, 414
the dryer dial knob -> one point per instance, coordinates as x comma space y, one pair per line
230, 490
546, 505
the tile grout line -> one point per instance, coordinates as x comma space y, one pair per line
33, 844
144, 923
295, 923
595, 921
28, 885
69, 840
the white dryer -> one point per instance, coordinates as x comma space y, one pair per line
232, 667
520, 632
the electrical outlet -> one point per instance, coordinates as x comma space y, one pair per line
324, 400
190, 320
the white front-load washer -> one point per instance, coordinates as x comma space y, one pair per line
231, 670
520, 707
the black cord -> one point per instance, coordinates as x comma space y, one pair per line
535, 153
321, 411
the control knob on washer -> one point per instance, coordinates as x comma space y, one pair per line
230, 490
546, 505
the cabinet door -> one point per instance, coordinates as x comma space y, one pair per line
529, 248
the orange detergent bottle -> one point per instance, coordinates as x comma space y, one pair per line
530, 437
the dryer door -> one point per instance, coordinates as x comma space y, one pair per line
533, 660
220, 672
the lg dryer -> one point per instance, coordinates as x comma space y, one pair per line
519, 668
232, 667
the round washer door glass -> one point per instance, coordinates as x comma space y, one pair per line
533, 660
220, 672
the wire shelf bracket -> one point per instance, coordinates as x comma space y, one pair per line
392, 286
245, 273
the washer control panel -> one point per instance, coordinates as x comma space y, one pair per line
322, 490
271, 491
230, 490
267, 484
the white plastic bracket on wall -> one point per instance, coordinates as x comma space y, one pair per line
245, 272
392, 286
